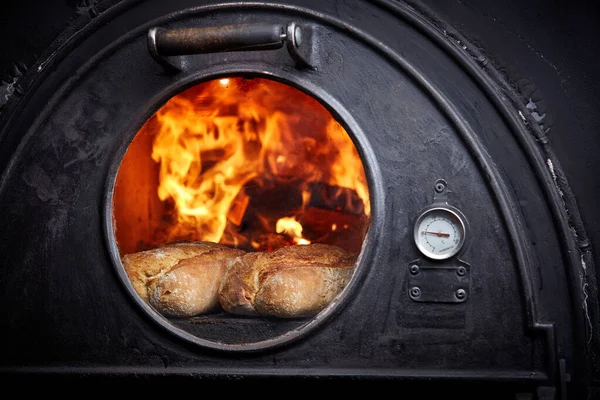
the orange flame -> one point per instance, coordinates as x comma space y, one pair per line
291, 227
219, 139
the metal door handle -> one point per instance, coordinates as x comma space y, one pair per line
247, 37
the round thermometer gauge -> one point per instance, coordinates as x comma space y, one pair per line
440, 232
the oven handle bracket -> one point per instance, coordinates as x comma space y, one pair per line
164, 43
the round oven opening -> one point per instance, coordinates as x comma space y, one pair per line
240, 209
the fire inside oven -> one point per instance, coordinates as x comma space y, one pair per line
237, 188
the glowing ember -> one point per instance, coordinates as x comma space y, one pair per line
234, 159
291, 227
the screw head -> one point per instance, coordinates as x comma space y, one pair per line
460, 294
461, 271
414, 269
415, 292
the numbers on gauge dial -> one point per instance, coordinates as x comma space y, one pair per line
439, 233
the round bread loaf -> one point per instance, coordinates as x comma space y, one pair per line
294, 281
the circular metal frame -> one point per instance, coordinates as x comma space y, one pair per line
462, 225
370, 165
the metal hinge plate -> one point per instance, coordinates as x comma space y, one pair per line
439, 283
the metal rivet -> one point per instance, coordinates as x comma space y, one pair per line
461, 271
414, 269
415, 292
440, 187
460, 294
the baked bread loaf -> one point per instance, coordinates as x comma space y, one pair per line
240, 285
293, 281
187, 279
180, 279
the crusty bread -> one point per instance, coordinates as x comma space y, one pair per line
294, 281
239, 285
186, 279
144, 268
192, 286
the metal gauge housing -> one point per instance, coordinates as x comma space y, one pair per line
440, 232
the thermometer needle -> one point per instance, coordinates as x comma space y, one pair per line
439, 234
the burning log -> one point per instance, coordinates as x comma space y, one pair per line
238, 208
227, 163
329, 214
329, 197
335, 227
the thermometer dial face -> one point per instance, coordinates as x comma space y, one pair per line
440, 233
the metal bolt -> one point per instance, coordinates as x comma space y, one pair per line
414, 269
460, 294
415, 292
297, 36
461, 271
440, 187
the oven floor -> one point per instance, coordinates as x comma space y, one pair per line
230, 329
